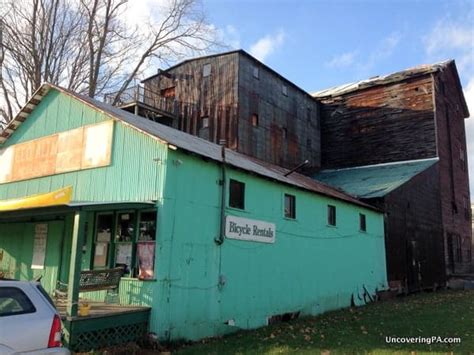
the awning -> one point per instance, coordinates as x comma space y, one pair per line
55, 198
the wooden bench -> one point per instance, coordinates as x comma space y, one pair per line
94, 280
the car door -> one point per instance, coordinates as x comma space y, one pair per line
25, 318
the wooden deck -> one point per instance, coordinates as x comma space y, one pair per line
100, 310
106, 325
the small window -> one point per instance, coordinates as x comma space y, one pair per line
308, 143
13, 301
290, 206
331, 215
206, 70
362, 222
255, 73
254, 120
284, 90
284, 132
205, 122
308, 115
237, 194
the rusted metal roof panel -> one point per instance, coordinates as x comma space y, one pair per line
383, 79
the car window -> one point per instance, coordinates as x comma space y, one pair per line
45, 294
13, 301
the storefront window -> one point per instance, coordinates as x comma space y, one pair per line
147, 229
146, 245
133, 245
125, 227
103, 238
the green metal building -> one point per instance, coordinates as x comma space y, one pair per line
210, 241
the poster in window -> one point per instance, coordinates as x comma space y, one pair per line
39, 246
100, 254
124, 256
146, 260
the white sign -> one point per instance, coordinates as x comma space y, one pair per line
249, 230
39, 246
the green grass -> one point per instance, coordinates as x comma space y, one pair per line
361, 330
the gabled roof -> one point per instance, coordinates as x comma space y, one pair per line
189, 143
373, 181
236, 51
419, 70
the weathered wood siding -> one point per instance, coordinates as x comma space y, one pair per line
288, 125
454, 177
414, 233
379, 124
214, 96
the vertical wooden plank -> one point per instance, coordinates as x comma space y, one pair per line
78, 232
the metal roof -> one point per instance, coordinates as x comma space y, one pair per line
374, 180
178, 139
383, 79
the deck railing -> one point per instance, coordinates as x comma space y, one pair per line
139, 94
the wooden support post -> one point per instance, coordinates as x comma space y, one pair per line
75, 263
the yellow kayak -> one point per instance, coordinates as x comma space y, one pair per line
54, 198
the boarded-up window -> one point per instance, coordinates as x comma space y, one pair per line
290, 206
206, 70
362, 222
237, 194
331, 215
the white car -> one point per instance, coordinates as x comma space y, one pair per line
29, 322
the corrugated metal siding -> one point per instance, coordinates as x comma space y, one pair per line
191, 302
63, 113
143, 157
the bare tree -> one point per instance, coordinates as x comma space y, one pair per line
88, 47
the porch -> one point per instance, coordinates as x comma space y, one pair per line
106, 325
59, 243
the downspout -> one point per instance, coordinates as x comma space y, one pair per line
220, 238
